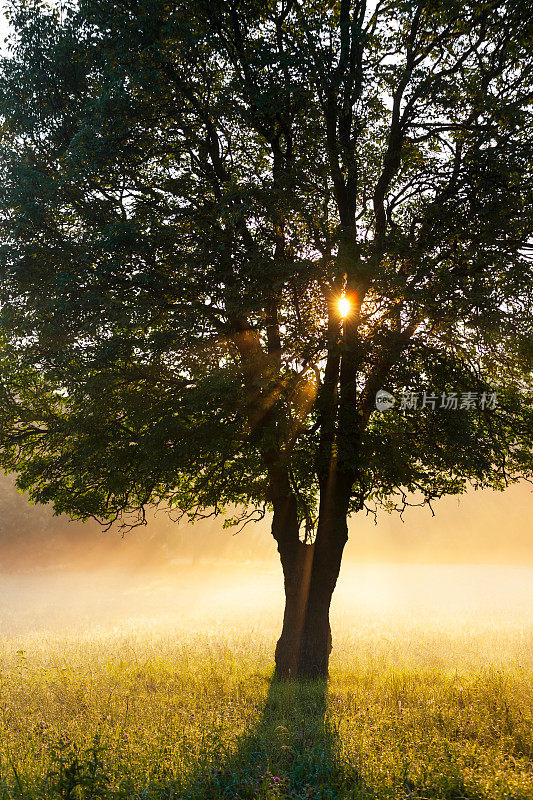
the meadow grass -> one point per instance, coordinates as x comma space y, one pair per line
185, 707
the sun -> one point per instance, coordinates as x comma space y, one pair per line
344, 306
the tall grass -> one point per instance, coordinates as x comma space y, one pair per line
417, 707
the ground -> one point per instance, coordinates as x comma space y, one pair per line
140, 686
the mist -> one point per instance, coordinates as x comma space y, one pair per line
478, 527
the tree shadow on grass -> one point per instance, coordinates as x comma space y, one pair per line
290, 753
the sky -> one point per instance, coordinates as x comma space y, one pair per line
3, 26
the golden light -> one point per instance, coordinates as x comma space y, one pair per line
344, 306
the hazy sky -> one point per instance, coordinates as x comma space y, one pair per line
3, 26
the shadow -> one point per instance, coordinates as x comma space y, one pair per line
293, 753
290, 753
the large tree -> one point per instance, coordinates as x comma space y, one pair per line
189, 188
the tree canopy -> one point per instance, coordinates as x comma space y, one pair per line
188, 188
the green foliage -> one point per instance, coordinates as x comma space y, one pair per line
187, 188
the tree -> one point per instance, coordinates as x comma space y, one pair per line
189, 190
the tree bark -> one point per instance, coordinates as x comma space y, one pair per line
310, 574
297, 562
316, 641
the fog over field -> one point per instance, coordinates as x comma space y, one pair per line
145, 663
205, 598
478, 527
468, 570
161, 683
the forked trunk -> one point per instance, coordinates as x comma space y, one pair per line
310, 573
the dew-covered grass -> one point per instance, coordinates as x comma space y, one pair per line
129, 687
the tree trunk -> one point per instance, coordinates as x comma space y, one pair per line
305, 643
310, 573
297, 563
316, 642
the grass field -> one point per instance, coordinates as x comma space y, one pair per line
160, 687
